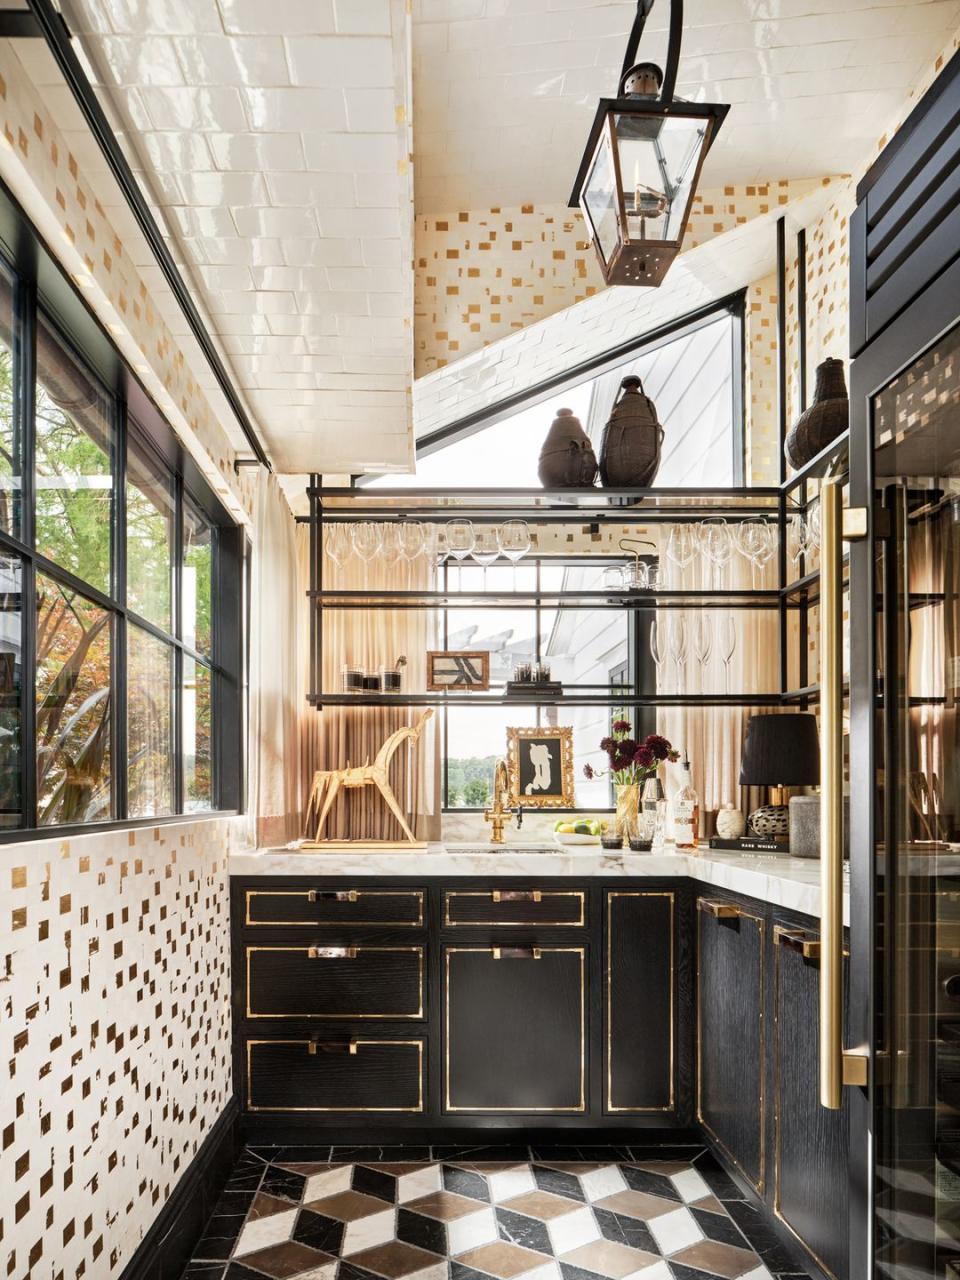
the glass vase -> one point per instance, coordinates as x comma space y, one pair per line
628, 803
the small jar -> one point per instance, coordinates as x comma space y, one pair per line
371, 682
391, 679
351, 679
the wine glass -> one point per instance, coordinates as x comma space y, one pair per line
391, 549
337, 543
751, 537
486, 547
767, 549
678, 650
515, 543
367, 540
411, 537
716, 545
726, 644
681, 545
702, 645
459, 536
804, 539
658, 647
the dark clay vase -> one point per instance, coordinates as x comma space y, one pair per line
630, 450
826, 418
567, 460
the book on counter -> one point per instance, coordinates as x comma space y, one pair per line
749, 844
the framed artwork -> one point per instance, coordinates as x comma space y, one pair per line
457, 669
540, 762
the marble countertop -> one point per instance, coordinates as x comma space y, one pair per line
792, 883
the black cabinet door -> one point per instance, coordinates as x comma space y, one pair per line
640, 1002
731, 1051
811, 1143
514, 1028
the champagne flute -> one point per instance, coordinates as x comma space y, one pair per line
658, 647
515, 542
702, 646
726, 643
460, 537
678, 650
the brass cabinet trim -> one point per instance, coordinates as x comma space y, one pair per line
543, 951
797, 940
513, 924
759, 1182
777, 1161
417, 894
251, 1044
720, 908
334, 1017
641, 893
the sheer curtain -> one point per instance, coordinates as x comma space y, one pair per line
339, 736
275, 658
712, 736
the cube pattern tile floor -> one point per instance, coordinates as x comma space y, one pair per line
377, 1213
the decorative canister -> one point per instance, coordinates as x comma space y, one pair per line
567, 460
351, 679
371, 682
391, 679
826, 418
731, 823
630, 449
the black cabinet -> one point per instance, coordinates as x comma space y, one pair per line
515, 1034
317, 1075
640, 1006
731, 1039
810, 1143
321, 981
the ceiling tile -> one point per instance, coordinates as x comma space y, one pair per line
277, 17
329, 61
257, 152
234, 60
295, 108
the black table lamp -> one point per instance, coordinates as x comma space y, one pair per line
779, 751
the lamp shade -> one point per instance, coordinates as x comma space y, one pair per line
780, 751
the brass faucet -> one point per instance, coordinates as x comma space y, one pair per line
500, 812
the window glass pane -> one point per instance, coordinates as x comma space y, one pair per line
150, 526
198, 540
150, 758
476, 738
10, 455
197, 738
10, 673
509, 635
73, 707
75, 445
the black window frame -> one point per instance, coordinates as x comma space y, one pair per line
40, 285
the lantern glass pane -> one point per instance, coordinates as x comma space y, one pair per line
600, 198
658, 165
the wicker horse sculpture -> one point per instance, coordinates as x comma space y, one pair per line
328, 783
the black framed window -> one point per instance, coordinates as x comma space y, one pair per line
120, 647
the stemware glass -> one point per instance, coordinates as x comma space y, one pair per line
459, 537
716, 545
702, 646
726, 644
681, 545
337, 543
751, 539
391, 549
411, 538
367, 540
486, 547
678, 650
515, 542
767, 549
658, 647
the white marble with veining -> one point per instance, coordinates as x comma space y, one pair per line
792, 883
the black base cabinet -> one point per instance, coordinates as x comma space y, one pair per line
430, 1011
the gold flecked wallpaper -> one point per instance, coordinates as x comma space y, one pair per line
114, 1036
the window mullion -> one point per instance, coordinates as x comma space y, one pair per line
119, 658
25, 367
178, 781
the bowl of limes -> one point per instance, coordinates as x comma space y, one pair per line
581, 831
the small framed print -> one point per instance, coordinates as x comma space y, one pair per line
457, 670
540, 763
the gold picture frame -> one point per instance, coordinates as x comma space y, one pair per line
541, 779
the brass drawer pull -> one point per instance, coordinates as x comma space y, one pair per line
515, 953
719, 910
802, 943
332, 953
331, 1046
333, 895
516, 895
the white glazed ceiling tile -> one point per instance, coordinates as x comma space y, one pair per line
321, 190
257, 152
148, 61
267, 221
371, 110
292, 108
359, 153
176, 151
174, 17
314, 252
362, 17
276, 17
234, 60
331, 61
222, 189
217, 108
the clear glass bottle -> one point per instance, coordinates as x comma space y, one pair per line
686, 813
650, 799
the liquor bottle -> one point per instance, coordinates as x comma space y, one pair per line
686, 813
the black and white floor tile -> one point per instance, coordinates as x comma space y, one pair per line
484, 1213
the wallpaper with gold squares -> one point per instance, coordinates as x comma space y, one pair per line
114, 1036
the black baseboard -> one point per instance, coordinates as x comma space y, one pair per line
167, 1247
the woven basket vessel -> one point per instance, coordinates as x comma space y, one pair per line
827, 417
567, 460
630, 450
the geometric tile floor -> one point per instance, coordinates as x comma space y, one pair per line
413, 1213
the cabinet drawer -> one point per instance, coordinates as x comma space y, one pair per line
514, 1029
513, 907
401, 908
352, 1075
335, 982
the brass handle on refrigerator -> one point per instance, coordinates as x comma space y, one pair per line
837, 1067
